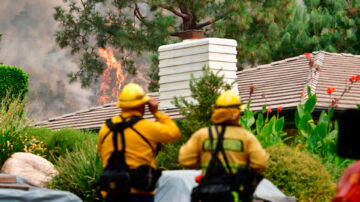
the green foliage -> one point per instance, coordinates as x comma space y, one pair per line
358, 106
61, 141
197, 114
319, 137
154, 74
134, 27
204, 91
79, 170
316, 137
264, 30
298, 174
13, 130
167, 158
269, 131
323, 25
13, 81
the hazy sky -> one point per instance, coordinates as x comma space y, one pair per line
28, 42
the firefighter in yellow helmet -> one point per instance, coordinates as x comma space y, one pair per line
240, 146
140, 138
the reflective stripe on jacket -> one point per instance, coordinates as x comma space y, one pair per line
239, 144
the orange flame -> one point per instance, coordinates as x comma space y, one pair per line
113, 66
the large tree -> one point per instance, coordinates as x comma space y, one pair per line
134, 27
330, 25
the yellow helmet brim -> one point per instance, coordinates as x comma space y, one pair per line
133, 103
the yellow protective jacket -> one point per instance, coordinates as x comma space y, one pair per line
240, 147
137, 151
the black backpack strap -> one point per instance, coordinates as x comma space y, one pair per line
144, 138
120, 127
218, 145
211, 139
220, 139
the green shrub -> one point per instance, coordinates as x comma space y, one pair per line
297, 174
269, 131
13, 80
167, 158
61, 141
13, 130
79, 170
204, 91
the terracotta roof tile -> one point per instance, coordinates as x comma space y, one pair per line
282, 83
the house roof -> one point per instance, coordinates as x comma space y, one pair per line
281, 83
94, 117
276, 84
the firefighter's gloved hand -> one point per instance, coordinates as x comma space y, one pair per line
153, 105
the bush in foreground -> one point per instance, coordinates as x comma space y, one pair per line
62, 141
297, 174
13, 129
79, 171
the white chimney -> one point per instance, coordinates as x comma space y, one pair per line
178, 61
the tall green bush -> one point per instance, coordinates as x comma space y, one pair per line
319, 136
298, 174
13, 130
61, 141
196, 113
269, 131
204, 92
79, 170
13, 80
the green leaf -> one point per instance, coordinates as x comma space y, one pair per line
358, 106
310, 104
279, 124
309, 91
300, 110
267, 130
333, 134
304, 123
323, 117
312, 125
259, 123
320, 130
263, 109
331, 113
250, 122
248, 105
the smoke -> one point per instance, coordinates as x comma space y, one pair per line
28, 42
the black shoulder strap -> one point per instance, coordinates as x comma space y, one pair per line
117, 128
144, 138
211, 142
120, 127
218, 145
220, 139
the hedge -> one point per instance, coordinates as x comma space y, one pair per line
298, 174
13, 80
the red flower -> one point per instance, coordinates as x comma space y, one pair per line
358, 77
198, 179
302, 95
330, 90
269, 110
352, 79
279, 109
308, 55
